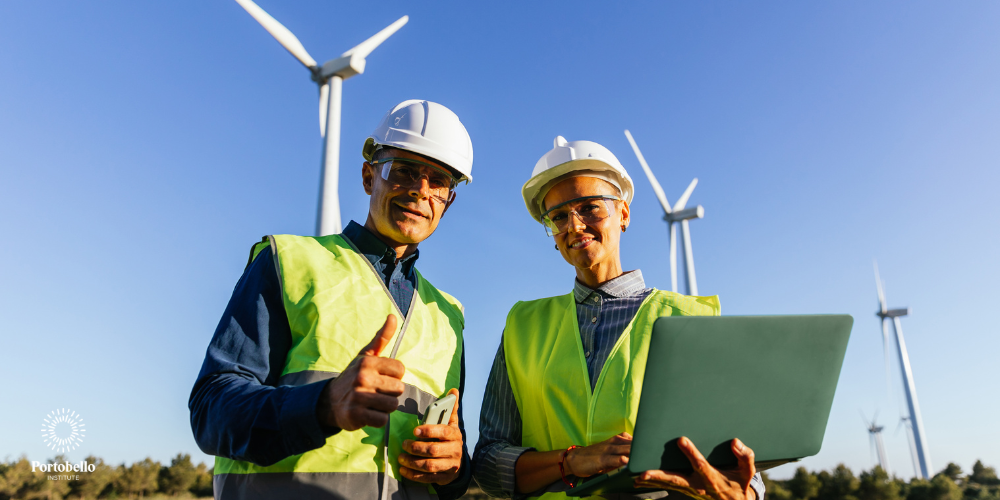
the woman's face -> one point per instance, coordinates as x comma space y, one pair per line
588, 246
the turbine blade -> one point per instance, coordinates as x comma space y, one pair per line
279, 32
366, 47
649, 175
324, 102
878, 286
687, 194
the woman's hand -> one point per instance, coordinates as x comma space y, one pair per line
599, 458
706, 483
535, 470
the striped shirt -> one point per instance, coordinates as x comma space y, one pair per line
602, 316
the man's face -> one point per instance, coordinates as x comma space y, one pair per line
588, 245
405, 213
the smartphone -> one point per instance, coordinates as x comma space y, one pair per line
439, 412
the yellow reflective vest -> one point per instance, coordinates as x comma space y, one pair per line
335, 302
548, 373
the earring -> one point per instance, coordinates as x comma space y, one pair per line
624, 227
557, 246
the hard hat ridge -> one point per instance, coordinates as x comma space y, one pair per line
428, 129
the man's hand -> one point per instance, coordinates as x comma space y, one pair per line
706, 482
599, 458
437, 455
365, 393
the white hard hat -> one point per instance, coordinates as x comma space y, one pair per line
569, 159
426, 128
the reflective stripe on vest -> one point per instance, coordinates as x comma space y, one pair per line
548, 373
335, 303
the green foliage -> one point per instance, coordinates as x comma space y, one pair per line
16, 479
179, 477
803, 485
984, 476
202, 486
139, 478
93, 484
838, 485
953, 471
875, 484
941, 487
182, 479
775, 490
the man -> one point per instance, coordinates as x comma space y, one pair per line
295, 397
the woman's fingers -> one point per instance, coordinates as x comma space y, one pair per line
697, 460
611, 462
619, 449
662, 477
660, 480
744, 456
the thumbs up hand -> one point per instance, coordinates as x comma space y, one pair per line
365, 393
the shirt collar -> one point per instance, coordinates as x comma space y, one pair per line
374, 248
626, 285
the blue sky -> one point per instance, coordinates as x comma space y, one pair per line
144, 147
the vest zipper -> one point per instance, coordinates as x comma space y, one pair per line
384, 494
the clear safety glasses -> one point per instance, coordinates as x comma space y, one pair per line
589, 209
407, 172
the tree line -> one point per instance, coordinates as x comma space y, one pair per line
184, 479
143, 478
875, 484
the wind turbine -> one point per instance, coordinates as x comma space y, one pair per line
330, 78
875, 441
913, 421
675, 214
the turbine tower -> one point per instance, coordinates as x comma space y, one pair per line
914, 423
675, 214
330, 78
875, 441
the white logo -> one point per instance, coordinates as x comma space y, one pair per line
63, 430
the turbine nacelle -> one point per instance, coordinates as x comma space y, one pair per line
893, 313
343, 66
686, 214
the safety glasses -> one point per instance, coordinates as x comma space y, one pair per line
589, 209
407, 172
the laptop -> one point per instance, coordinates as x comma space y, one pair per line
768, 380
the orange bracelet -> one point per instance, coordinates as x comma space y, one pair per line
562, 471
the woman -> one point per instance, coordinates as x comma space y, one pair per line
562, 397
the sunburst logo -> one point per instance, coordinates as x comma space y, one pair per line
63, 430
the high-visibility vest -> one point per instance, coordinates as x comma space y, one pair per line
335, 303
547, 369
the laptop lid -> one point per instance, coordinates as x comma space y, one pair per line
768, 380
